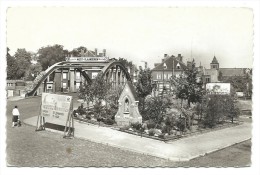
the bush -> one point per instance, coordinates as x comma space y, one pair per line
151, 124
166, 129
100, 119
137, 126
109, 121
217, 108
151, 132
161, 136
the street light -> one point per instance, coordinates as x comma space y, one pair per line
164, 67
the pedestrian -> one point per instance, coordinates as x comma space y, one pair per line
16, 115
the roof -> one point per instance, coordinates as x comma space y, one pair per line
132, 88
214, 61
228, 72
169, 65
210, 72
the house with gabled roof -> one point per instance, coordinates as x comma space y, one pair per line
170, 66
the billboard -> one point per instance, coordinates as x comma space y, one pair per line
218, 88
55, 108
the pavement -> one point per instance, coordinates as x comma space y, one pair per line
183, 149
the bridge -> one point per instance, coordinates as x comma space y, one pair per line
113, 71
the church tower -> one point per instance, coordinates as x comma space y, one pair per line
214, 64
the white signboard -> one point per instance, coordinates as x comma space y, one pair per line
55, 108
87, 59
218, 88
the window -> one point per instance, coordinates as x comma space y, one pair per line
159, 76
207, 80
126, 109
77, 85
64, 85
178, 66
20, 84
77, 75
64, 75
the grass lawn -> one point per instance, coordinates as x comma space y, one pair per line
25, 147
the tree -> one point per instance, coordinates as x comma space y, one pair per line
127, 64
77, 51
12, 66
33, 71
156, 108
96, 92
217, 108
50, 55
23, 61
187, 86
144, 86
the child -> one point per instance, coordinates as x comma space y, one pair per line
16, 115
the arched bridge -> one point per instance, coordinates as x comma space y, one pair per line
113, 71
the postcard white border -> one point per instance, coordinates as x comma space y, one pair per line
254, 169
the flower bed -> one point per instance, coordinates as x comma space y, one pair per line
94, 122
178, 134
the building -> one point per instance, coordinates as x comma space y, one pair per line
162, 72
19, 88
236, 76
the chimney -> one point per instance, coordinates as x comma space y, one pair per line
95, 51
104, 52
180, 57
165, 55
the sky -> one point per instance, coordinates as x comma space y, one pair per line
138, 33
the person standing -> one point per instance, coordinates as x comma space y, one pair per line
16, 115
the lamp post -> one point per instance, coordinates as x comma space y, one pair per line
164, 67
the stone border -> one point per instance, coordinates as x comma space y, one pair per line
168, 138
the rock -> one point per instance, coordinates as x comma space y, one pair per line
130, 129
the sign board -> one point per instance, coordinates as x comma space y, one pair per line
55, 108
87, 59
218, 88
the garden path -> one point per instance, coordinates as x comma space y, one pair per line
179, 150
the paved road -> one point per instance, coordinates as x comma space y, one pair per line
181, 150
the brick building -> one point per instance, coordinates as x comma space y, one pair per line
162, 72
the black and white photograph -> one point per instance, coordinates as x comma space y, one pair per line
138, 87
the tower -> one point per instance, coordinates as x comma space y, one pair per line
214, 64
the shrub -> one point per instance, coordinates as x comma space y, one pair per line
100, 119
151, 124
151, 132
81, 110
181, 124
162, 136
137, 126
109, 121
